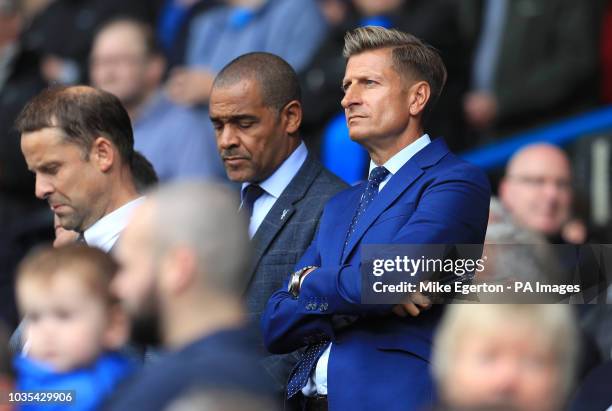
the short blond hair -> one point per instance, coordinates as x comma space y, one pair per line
93, 267
555, 322
412, 58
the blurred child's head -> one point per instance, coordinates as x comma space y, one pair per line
64, 297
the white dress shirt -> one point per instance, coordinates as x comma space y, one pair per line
274, 186
105, 232
317, 383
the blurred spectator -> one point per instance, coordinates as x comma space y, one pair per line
256, 111
61, 32
19, 81
72, 326
20, 212
516, 356
291, 29
515, 253
537, 190
179, 141
78, 142
184, 258
535, 60
173, 25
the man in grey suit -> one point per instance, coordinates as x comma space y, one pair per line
256, 111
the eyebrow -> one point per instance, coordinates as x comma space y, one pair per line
362, 77
45, 166
234, 118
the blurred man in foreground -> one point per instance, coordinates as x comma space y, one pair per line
183, 260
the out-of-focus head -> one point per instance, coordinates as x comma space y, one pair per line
537, 188
518, 356
392, 79
376, 7
185, 244
70, 317
255, 108
126, 62
76, 140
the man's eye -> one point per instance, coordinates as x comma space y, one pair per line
245, 124
52, 170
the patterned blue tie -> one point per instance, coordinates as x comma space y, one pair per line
377, 175
304, 368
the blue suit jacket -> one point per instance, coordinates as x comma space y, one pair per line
380, 361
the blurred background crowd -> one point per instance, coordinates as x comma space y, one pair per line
519, 72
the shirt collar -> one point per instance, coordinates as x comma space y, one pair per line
398, 160
105, 232
280, 179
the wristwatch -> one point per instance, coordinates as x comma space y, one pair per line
296, 280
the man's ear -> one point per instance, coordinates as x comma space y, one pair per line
103, 153
178, 271
292, 115
418, 96
117, 330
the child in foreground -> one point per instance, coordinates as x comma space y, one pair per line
73, 327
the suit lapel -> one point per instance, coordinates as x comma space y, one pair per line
284, 208
404, 178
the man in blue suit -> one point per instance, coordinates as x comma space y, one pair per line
417, 193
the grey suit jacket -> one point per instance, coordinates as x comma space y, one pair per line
281, 239
287, 231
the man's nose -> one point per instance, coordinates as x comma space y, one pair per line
43, 188
227, 138
351, 97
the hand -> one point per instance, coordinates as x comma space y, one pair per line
414, 305
189, 86
480, 109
